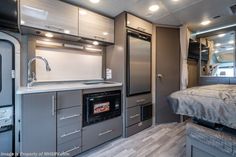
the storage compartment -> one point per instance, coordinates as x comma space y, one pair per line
95, 26
68, 99
69, 116
133, 115
67, 133
138, 100
50, 15
146, 112
71, 148
99, 133
138, 127
139, 24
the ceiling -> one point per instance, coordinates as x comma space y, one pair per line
170, 13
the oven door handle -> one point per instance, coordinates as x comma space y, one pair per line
105, 132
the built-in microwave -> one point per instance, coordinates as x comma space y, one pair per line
101, 106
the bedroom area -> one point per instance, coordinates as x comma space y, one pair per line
118, 78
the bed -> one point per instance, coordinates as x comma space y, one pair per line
212, 103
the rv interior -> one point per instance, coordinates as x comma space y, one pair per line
117, 78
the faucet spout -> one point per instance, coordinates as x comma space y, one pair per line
31, 75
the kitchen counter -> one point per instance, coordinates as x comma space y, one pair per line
51, 87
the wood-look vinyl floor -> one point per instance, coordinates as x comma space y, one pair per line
166, 140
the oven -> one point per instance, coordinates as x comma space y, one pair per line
101, 106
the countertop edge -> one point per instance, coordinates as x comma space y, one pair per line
55, 88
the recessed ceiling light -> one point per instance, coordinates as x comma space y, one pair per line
218, 44
82, 12
231, 42
206, 22
95, 43
94, 1
221, 35
105, 33
22, 22
175, 0
154, 8
49, 35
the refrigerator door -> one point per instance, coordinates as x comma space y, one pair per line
6, 85
139, 65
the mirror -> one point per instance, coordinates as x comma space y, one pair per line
218, 55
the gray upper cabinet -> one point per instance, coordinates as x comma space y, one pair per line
139, 24
95, 26
39, 123
50, 15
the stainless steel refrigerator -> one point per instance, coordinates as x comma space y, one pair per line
138, 63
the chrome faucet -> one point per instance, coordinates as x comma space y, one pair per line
31, 75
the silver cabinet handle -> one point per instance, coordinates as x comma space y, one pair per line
54, 27
104, 133
140, 100
97, 37
71, 133
53, 105
134, 116
70, 150
69, 117
141, 29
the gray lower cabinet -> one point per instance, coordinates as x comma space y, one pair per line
39, 123
69, 122
134, 123
100, 133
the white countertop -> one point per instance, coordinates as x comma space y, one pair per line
52, 87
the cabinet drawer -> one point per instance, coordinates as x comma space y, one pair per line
133, 115
69, 116
138, 127
72, 147
97, 134
138, 100
68, 99
51, 15
139, 24
67, 133
95, 26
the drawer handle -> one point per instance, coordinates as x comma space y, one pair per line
54, 27
141, 29
134, 116
104, 133
97, 37
141, 100
69, 117
70, 150
71, 133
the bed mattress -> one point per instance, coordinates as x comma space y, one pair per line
213, 103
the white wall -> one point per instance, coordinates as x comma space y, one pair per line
68, 65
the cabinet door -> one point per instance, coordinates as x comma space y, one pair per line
50, 15
95, 26
139, 24
39, 123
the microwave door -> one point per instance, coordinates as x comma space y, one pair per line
139, 66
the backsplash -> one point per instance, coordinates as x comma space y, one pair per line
68, 65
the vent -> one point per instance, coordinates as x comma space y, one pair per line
233, 9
